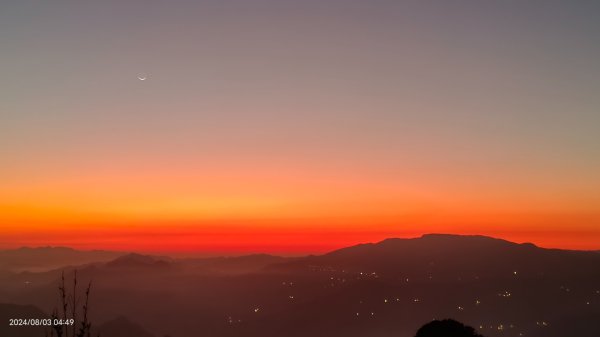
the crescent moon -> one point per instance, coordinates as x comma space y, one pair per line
142, 78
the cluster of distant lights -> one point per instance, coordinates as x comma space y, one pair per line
360, 275
499, 327
373, 274
506, 293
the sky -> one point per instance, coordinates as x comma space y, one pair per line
297, 126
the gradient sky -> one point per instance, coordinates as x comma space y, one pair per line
297, 126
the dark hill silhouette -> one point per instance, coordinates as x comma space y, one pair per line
453, 256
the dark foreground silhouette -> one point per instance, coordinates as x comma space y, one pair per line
446, 328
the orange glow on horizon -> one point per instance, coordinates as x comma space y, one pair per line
300, 236
288, 211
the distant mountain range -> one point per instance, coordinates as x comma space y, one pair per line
46, 258
384, 289
451, 255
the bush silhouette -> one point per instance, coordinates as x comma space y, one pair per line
69, 303
446, 328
